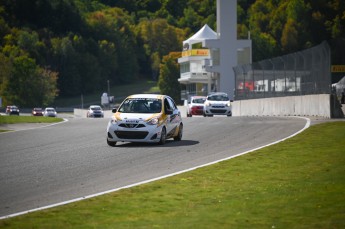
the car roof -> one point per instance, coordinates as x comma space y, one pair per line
147, 96
95, 106
198, 96
218, 93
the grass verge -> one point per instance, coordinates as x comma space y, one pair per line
4, 119
298, 183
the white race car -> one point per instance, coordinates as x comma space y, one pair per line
217, 103
145, 118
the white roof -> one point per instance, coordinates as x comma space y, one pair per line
205, 33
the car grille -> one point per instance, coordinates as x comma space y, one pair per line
218, 106
132, 125
131, 134
217, 111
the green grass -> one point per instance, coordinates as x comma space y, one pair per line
119, 92
298, 183
4, 119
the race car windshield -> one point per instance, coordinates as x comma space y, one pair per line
144, 105
218, 98
199, 100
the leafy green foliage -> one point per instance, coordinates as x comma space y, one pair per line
168, 78
11, 119
28, 84
86, 42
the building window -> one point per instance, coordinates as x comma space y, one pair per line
184, 67
215, 55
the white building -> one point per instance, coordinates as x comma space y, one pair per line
210, 69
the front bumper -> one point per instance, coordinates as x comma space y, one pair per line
197, 111
142, 132
217, 110
96, 115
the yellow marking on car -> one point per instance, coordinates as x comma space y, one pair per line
117, 115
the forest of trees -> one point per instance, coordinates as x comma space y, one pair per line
51, 48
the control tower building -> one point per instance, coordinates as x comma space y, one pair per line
210, 69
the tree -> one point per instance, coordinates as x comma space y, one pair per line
289, 38
169, 74
48, 80
5, 66
159, 38
28, 85
113, 25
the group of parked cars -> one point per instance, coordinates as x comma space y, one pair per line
48, 112
214, 104
37, 111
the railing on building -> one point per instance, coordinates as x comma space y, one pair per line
301, 73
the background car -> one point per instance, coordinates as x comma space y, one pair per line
12, 110
145, 118
49, 112
217, 104
37, 111
196, 106
95, 111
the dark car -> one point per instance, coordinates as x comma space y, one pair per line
37, 111
12, 110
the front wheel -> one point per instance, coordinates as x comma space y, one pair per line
180, 132
110, 143
163, 136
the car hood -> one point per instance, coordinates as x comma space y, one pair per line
218, 102
135, 116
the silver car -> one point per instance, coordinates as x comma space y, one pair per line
95, 111
49, 112
217, 104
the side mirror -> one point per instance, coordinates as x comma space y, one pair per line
114, 110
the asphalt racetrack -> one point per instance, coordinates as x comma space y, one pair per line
53, 164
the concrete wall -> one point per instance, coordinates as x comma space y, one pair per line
307, 105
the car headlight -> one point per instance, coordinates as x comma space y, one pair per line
153, 121
228, 104
113, 120
207, 104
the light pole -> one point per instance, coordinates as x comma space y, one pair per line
108, 93
108, 88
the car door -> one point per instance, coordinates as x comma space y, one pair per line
174, 116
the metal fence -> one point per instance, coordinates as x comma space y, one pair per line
301, 73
